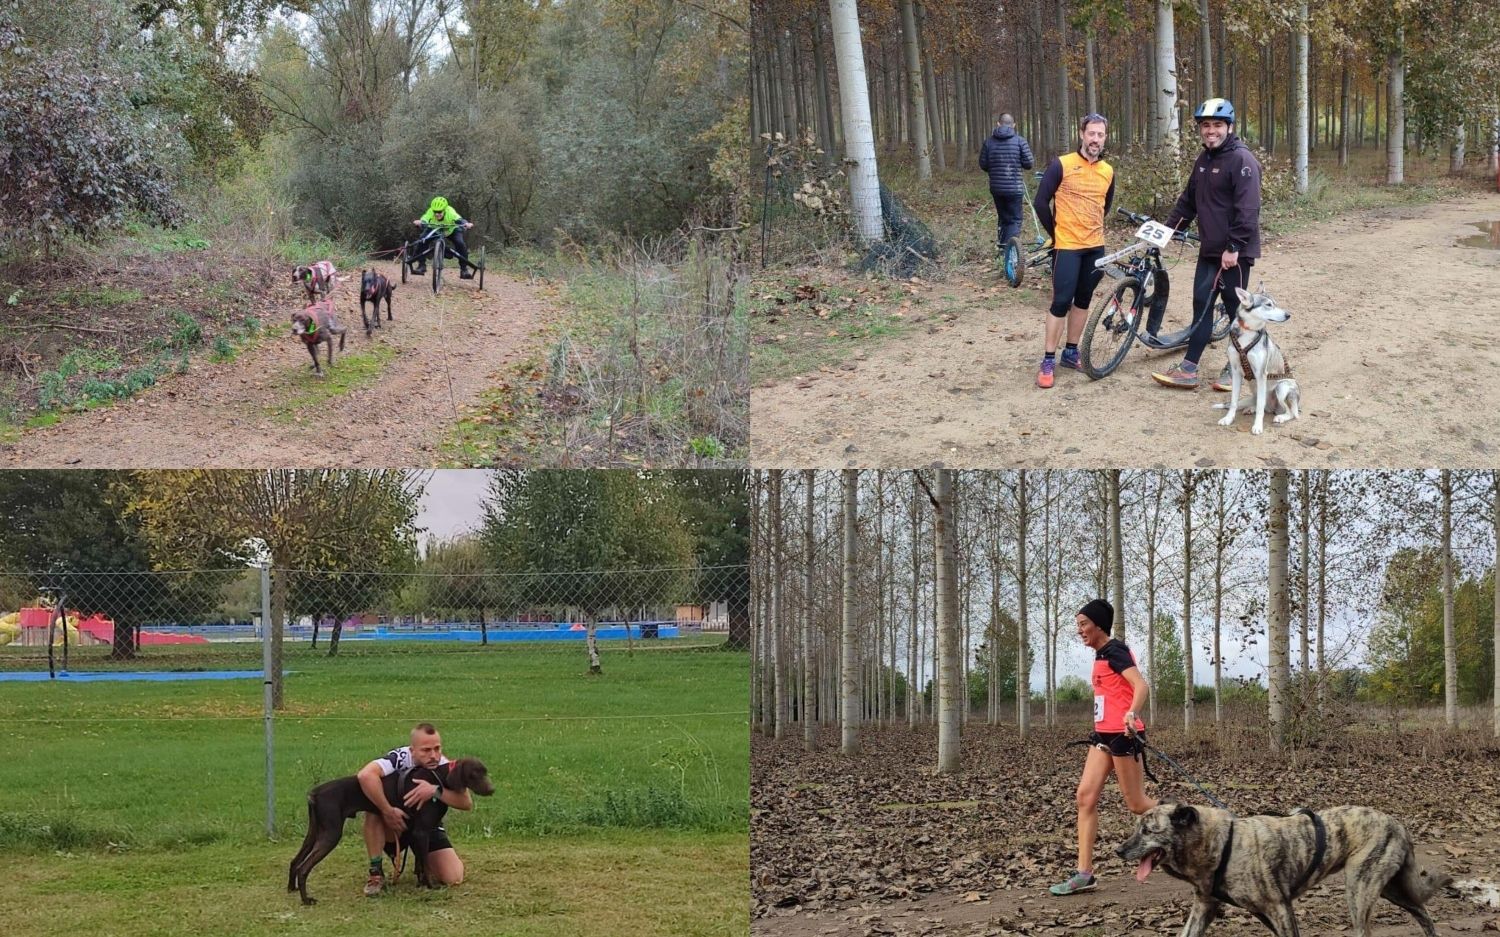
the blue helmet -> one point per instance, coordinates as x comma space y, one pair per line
1215, 109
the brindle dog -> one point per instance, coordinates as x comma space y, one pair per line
1263, 863
316, 326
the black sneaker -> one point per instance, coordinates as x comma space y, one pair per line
466, 274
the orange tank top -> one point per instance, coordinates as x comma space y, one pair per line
1078, 206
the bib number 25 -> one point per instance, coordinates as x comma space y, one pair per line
1154, 234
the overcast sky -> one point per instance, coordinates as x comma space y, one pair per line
453, 503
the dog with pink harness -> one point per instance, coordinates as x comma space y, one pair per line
316, 279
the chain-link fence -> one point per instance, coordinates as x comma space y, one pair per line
351, 660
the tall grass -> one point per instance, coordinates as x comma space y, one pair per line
651, 355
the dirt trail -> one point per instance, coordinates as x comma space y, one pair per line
233, 414
1391, 337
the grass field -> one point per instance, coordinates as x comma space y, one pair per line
621, 803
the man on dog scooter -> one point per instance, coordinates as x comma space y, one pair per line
1223, 193
449, 224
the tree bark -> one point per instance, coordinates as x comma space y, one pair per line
1023, 665
826, 138
1065, 129
859, 143
934, 108
1344, 111
912, 682
809, 674
1118, 554
1165, 91
778, 617
848, 663
1456, 149
1495, 522
1299, 148
944, 517
1276, 617
592, 642
1450, 643
1188, 482
1206, 53
1090, 79
916, 94
1395, 143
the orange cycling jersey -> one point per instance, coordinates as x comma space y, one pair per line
1072, 200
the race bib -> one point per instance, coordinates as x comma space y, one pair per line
1098, 709
1154, 234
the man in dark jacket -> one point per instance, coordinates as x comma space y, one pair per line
1004, 154
1223, 193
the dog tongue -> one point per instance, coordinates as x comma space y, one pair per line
1147, 864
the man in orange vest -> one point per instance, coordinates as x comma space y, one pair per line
1119, 693
1081, 186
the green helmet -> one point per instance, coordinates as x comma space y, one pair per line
439, 204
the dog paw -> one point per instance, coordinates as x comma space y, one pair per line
1280, 418
1228, 419
1257, 429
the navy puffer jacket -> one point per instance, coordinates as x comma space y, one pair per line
1004, 154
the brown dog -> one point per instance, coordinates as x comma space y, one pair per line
317, 279
316, 325
331, 803
373, 287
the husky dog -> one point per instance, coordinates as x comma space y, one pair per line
1252, 350
1263, 863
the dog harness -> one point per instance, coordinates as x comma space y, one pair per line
1244, 353
1320, 848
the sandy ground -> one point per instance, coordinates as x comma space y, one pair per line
225, 414
1390, 339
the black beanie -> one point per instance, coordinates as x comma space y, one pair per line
1100, 613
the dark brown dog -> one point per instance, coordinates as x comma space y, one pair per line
331, 803
373, 287
317, 279
316, 326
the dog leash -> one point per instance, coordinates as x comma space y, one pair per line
1182, 771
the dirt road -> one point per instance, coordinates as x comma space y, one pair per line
1391, 338
245, 413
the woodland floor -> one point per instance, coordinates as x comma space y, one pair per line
877, 845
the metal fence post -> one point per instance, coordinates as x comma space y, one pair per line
266, 673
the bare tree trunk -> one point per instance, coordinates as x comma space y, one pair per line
1299, 144
1205, 53
1304, 523
1456, 149
1344, 111
1395, 143
826, 138
934, 107
1165, 89
960, 116
1277, 618
916, 94
1118, 558
1220, 546
1090, 78
1322, 588
809, 676
1187, 599
1495, 522
1450, 644
591, 638
778, 618
1065, 126
1023, 665
912, 642
859, 135
848, 663
944, 518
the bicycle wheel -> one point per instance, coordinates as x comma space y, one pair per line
1013, 262
1111, 329
402, 258
481, 267
437, 263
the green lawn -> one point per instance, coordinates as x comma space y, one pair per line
621, 801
